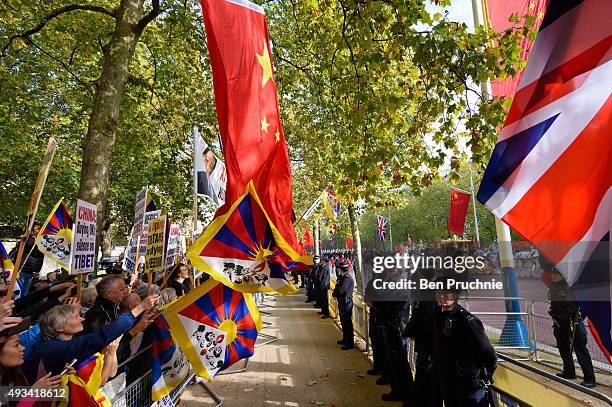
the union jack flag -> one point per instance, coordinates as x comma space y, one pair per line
550, 175
382, 227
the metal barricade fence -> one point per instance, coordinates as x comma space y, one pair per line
503, 328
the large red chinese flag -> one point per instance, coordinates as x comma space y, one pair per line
247, 109
497, 16
459, 205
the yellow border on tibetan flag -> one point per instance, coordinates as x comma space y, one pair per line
213, 229
40, 233
178, 332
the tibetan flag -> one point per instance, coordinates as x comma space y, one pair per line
247, 110
6, 265
150, 203
169, 366
497, 16
459, 205
84, 387
6, 269
215, 327
550, 175
245, 251
331, 204
55, 237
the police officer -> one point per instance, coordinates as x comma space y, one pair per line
343, 292
324, 291
310, 279
316, 279
420, 328
375, 331
392, 315
568, 327
463, 356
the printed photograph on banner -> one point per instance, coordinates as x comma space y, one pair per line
209, 342
55, 237
214, 326
210, 173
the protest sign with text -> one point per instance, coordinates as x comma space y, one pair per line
84, 238
155, 245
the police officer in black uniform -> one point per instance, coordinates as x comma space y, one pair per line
463, 355
324, 290
426, 391
316, 279
309, 276
392, 314
568, 327
372, 297
343, 292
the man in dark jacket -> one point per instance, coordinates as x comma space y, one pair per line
31, 262
343, 292
324, 291
375, 332
392, 313
310, 276
420, 327
568, 327
464, 357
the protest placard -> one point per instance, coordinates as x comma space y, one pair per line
139, 212
84, 238
174, 245
155, 245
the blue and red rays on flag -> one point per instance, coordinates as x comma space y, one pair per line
55, 237
169, 366
244, 250
84, 387
214, 326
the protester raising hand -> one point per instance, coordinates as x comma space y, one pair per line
48, 381
9, 322
146, 304
6, 308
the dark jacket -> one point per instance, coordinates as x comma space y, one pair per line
103, 312
324, 277
51, 355
180, 288
420, 327
344, 293
462, 352
36, 259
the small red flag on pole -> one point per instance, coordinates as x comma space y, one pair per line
459, 204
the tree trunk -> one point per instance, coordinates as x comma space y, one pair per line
100, 139
358, 263
105, 241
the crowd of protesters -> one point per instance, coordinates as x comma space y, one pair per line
48, 332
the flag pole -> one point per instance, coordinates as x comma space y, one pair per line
514, 332
474, 206
390, 231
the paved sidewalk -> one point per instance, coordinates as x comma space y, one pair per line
305, 367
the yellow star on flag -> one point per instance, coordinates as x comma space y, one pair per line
540, 15
264, 124
277, 134
264, 61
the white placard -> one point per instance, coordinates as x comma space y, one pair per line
84, 238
